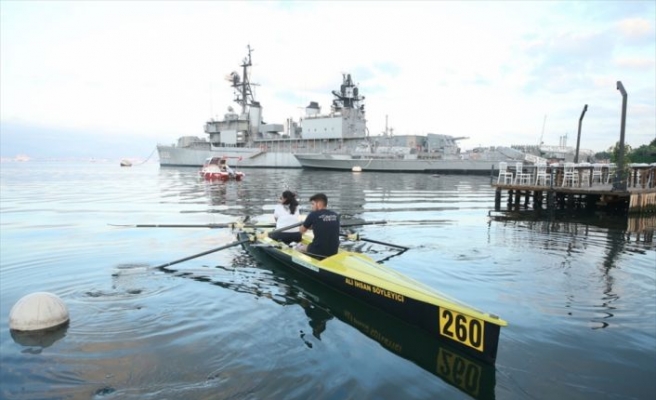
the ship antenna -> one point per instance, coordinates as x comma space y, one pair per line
544, 122
245, 86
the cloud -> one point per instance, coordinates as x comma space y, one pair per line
636, 28
643, 63
487, 70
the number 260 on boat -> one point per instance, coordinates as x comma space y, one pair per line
462, 328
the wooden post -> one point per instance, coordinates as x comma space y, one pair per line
537, 201
550, 200
497, 200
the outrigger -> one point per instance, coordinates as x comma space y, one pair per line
472, 331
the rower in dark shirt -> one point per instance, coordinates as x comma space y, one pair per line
325, 225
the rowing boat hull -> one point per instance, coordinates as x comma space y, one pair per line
468, 374
467, 329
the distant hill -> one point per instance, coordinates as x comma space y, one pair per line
39, 142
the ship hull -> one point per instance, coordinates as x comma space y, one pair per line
347, 163
171, 156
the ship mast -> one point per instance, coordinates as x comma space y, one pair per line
243, 90
348, 96
544, 122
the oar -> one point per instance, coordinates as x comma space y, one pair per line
382, 260
341, 224
211, 226
358, 237
233, 244
284, 228
347, 223
232, 225
385, 244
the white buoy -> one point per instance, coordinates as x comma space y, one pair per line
38, 311
357, 168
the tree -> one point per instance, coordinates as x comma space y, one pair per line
645, 153
602, 155
615, 152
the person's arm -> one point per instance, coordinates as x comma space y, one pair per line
307, 224
276, 212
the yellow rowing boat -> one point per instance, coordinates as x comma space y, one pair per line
470, 330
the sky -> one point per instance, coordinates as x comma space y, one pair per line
499, 73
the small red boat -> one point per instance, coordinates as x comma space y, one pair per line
217, 168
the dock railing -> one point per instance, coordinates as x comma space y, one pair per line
637, 176
577, 186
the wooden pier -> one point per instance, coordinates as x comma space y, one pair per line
637, 193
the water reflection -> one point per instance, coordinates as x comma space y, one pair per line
270, 279
640, 228
39, 340
351, 194
227, 195
574, 234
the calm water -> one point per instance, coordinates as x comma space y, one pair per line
579, 294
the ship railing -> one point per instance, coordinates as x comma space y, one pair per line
510, 153
532, 158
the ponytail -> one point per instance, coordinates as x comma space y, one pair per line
290, 200
293, 205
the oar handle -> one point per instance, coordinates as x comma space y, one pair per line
258, 226
344, 224
284, 228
